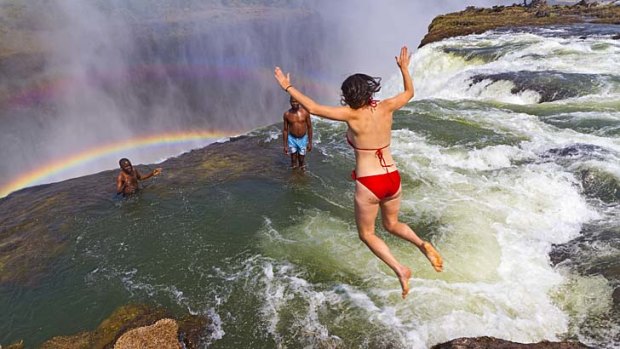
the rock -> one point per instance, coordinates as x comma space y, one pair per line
586, 3
192, 329
128, 318
535, 14
494, 343
161, 335
81, 340
18, 345
538, 3
616, 37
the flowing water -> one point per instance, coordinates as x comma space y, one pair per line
510, 162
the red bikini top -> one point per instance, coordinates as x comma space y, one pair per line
378, 153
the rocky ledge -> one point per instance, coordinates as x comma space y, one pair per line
137, 326
475, 20
494, 343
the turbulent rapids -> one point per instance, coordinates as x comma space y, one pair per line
510, 159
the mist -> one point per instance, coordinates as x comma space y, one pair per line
95, 72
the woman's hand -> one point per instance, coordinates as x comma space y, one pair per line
404, 58
283, 80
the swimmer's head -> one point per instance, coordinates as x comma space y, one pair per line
125, 164
294, 104
358, 89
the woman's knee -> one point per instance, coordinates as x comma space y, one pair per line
365, 234
390, 224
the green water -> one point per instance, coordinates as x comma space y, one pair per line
519, 197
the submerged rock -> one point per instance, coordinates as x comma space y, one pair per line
18, 345
549, 85
494, 343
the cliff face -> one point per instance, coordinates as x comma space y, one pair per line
478, 20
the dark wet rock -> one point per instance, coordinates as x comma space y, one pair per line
537, 13
583, 254
596, 183
128, 318
577, 150
494, 343
616, 37
550, 85
586, 3
192, 330
601, 185
538, 3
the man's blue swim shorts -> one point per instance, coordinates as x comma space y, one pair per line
297, 144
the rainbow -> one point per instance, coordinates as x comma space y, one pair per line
48, 89
39, 174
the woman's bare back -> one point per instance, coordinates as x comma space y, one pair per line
370, 129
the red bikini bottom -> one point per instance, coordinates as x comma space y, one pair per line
382, 185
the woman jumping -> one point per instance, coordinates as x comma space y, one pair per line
377, 181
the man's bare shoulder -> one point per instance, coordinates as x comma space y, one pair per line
289, 115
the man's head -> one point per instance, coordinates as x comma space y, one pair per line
125, 165
294, 103
358, 89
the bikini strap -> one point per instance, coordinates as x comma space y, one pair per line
378, 153
366, 149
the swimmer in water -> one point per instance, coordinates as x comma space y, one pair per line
127, 179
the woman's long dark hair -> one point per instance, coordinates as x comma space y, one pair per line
357, 90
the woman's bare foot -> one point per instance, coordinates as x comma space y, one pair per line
404, 274
433, 256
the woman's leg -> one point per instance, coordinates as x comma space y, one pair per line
390, 208
366, 209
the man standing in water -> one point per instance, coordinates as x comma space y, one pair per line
127, 180
298, 123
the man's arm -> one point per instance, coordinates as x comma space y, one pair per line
309, 127
285, 134
120, 183
155, 172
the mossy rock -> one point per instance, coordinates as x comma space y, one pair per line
126, 318
477, 21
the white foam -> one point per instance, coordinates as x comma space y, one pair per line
438, 74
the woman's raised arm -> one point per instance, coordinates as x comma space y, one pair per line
404, 97
328, 112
